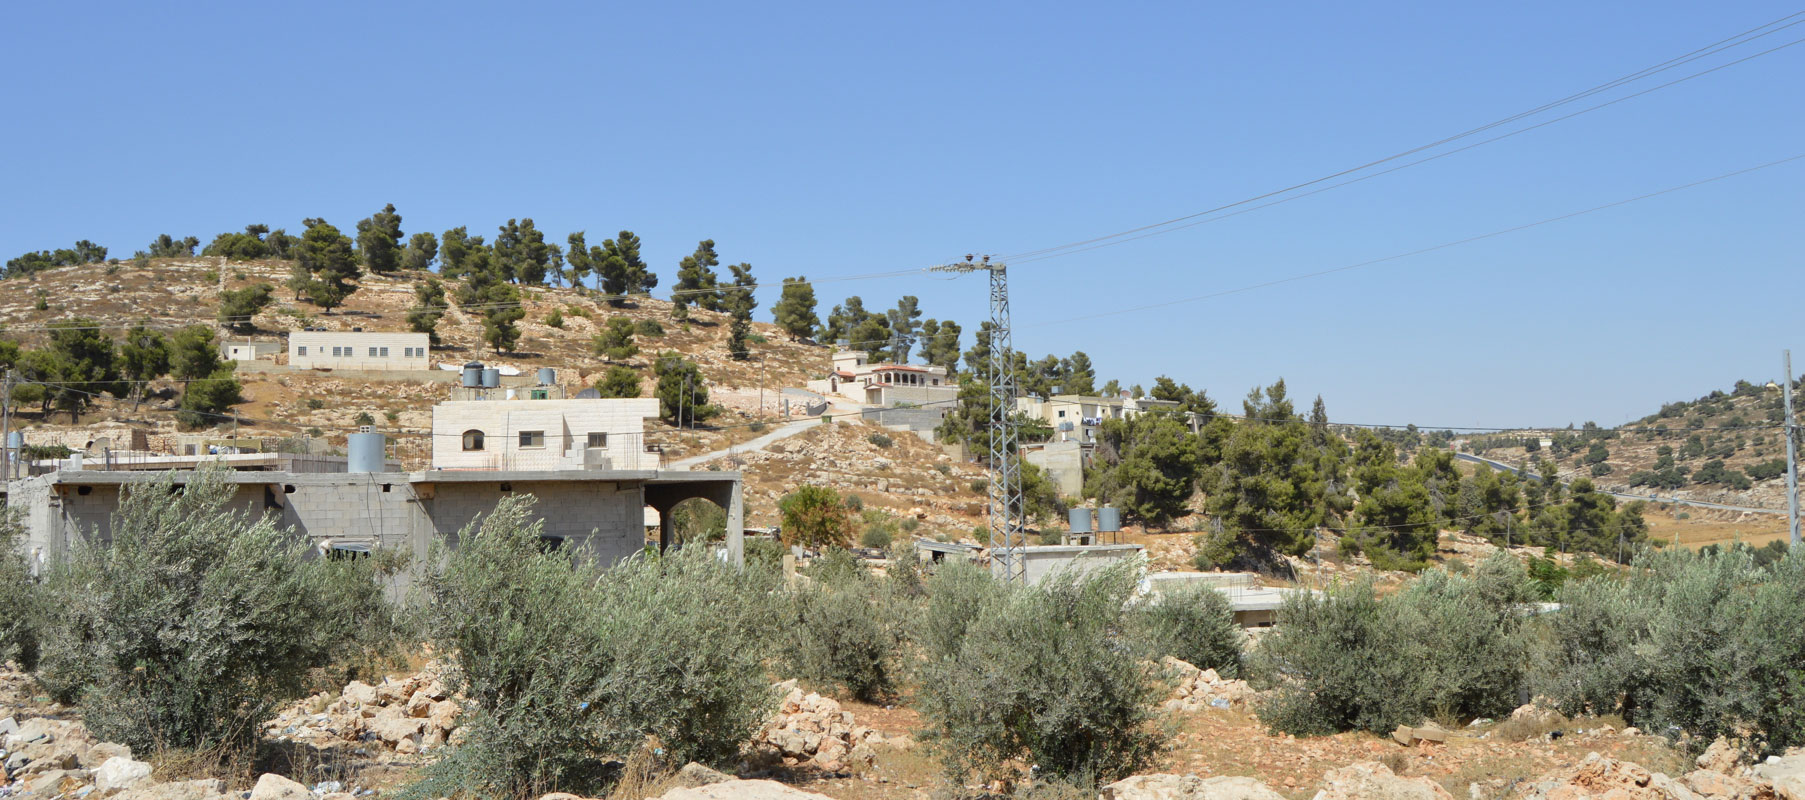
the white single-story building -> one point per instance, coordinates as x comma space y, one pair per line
358, 349
238, 350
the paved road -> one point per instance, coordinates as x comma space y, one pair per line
1622, 495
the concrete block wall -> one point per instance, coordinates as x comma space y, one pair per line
353, 508
319, 346
605, 517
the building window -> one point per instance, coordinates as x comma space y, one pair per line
532, 439
598, 439
473, 440
537, 394
384, 352
372, 352
301, 351
1062, 412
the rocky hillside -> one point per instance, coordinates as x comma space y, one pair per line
172, 293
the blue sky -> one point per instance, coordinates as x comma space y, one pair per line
841, 139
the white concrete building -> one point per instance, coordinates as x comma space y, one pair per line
1076, 418
542, 435
240, 350
355, 349
884, 385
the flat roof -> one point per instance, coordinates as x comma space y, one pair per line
96, 477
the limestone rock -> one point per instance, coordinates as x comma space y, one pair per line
694, 774
741, 790
1602, 776
360, 693
1371, 780
119, 773
204, 789
1188, 787
1721, 756
275, 787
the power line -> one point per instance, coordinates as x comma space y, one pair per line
1708, 50
1421, 251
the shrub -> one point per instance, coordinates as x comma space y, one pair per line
880, 440
876, 535
1447, 645
980, 486
756, 427
562, 664
813, 516
363, 418
1193, 624
855, 503
195, 622
391, 415
315, 404
648, 328
842, 635
944, 469
18, 626
1036, 674
1708, 643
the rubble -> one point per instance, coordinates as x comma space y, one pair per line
1371, 780
1198, 689
402, 716
741, 790
811, 730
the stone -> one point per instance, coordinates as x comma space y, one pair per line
741, 790
1188, 787
8, 726
1371, 780
419, 704
1404, 735
1602, 776
100, 753
392, 725
118, 774
694, 774
1430, 733
1790, 787
561, 796
275, 787
1711, 783
1721, 756
360, 692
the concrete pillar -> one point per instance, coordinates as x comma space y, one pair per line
736, 527
666, 532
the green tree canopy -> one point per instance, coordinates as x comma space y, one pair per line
379, 240
325, 265
795, 310
682, 393
239, 307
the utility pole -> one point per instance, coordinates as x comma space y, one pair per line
1006, 511
6, 427
1792, 459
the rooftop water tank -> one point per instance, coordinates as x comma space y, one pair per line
15, 440
473, 374
1109, 520
1080, 519
547, 376
491, 378
365, 451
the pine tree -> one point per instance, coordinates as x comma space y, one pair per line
520, 252
429, 307
239, 307
143, 357
1080, 376
622, 271
421, 250
583, 257
795, 310
619, 382
324, 265
615, 341
697, 282
904, 321
940, 344
379, 240
740, 302
488, 293
682, 394
454, 248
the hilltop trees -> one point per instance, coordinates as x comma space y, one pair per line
455, 247
166, 246
84, 252
247, 245
379, 240
324, 265
209, 388
420, 252
739, 302
795, 310
79, 363
521, 254
1148, 467
622, 271
1270, 486
619, 381
697, 282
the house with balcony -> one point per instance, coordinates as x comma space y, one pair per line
886, 385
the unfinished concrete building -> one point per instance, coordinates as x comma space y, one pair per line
360, 503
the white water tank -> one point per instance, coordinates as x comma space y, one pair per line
364, 451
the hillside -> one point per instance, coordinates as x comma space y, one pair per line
1724, 447
172, 293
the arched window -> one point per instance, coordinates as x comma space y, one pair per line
473, 439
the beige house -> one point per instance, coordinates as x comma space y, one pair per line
884, 385
1076, 418
542, 435
358, 349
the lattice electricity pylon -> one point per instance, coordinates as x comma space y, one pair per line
1006, 517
